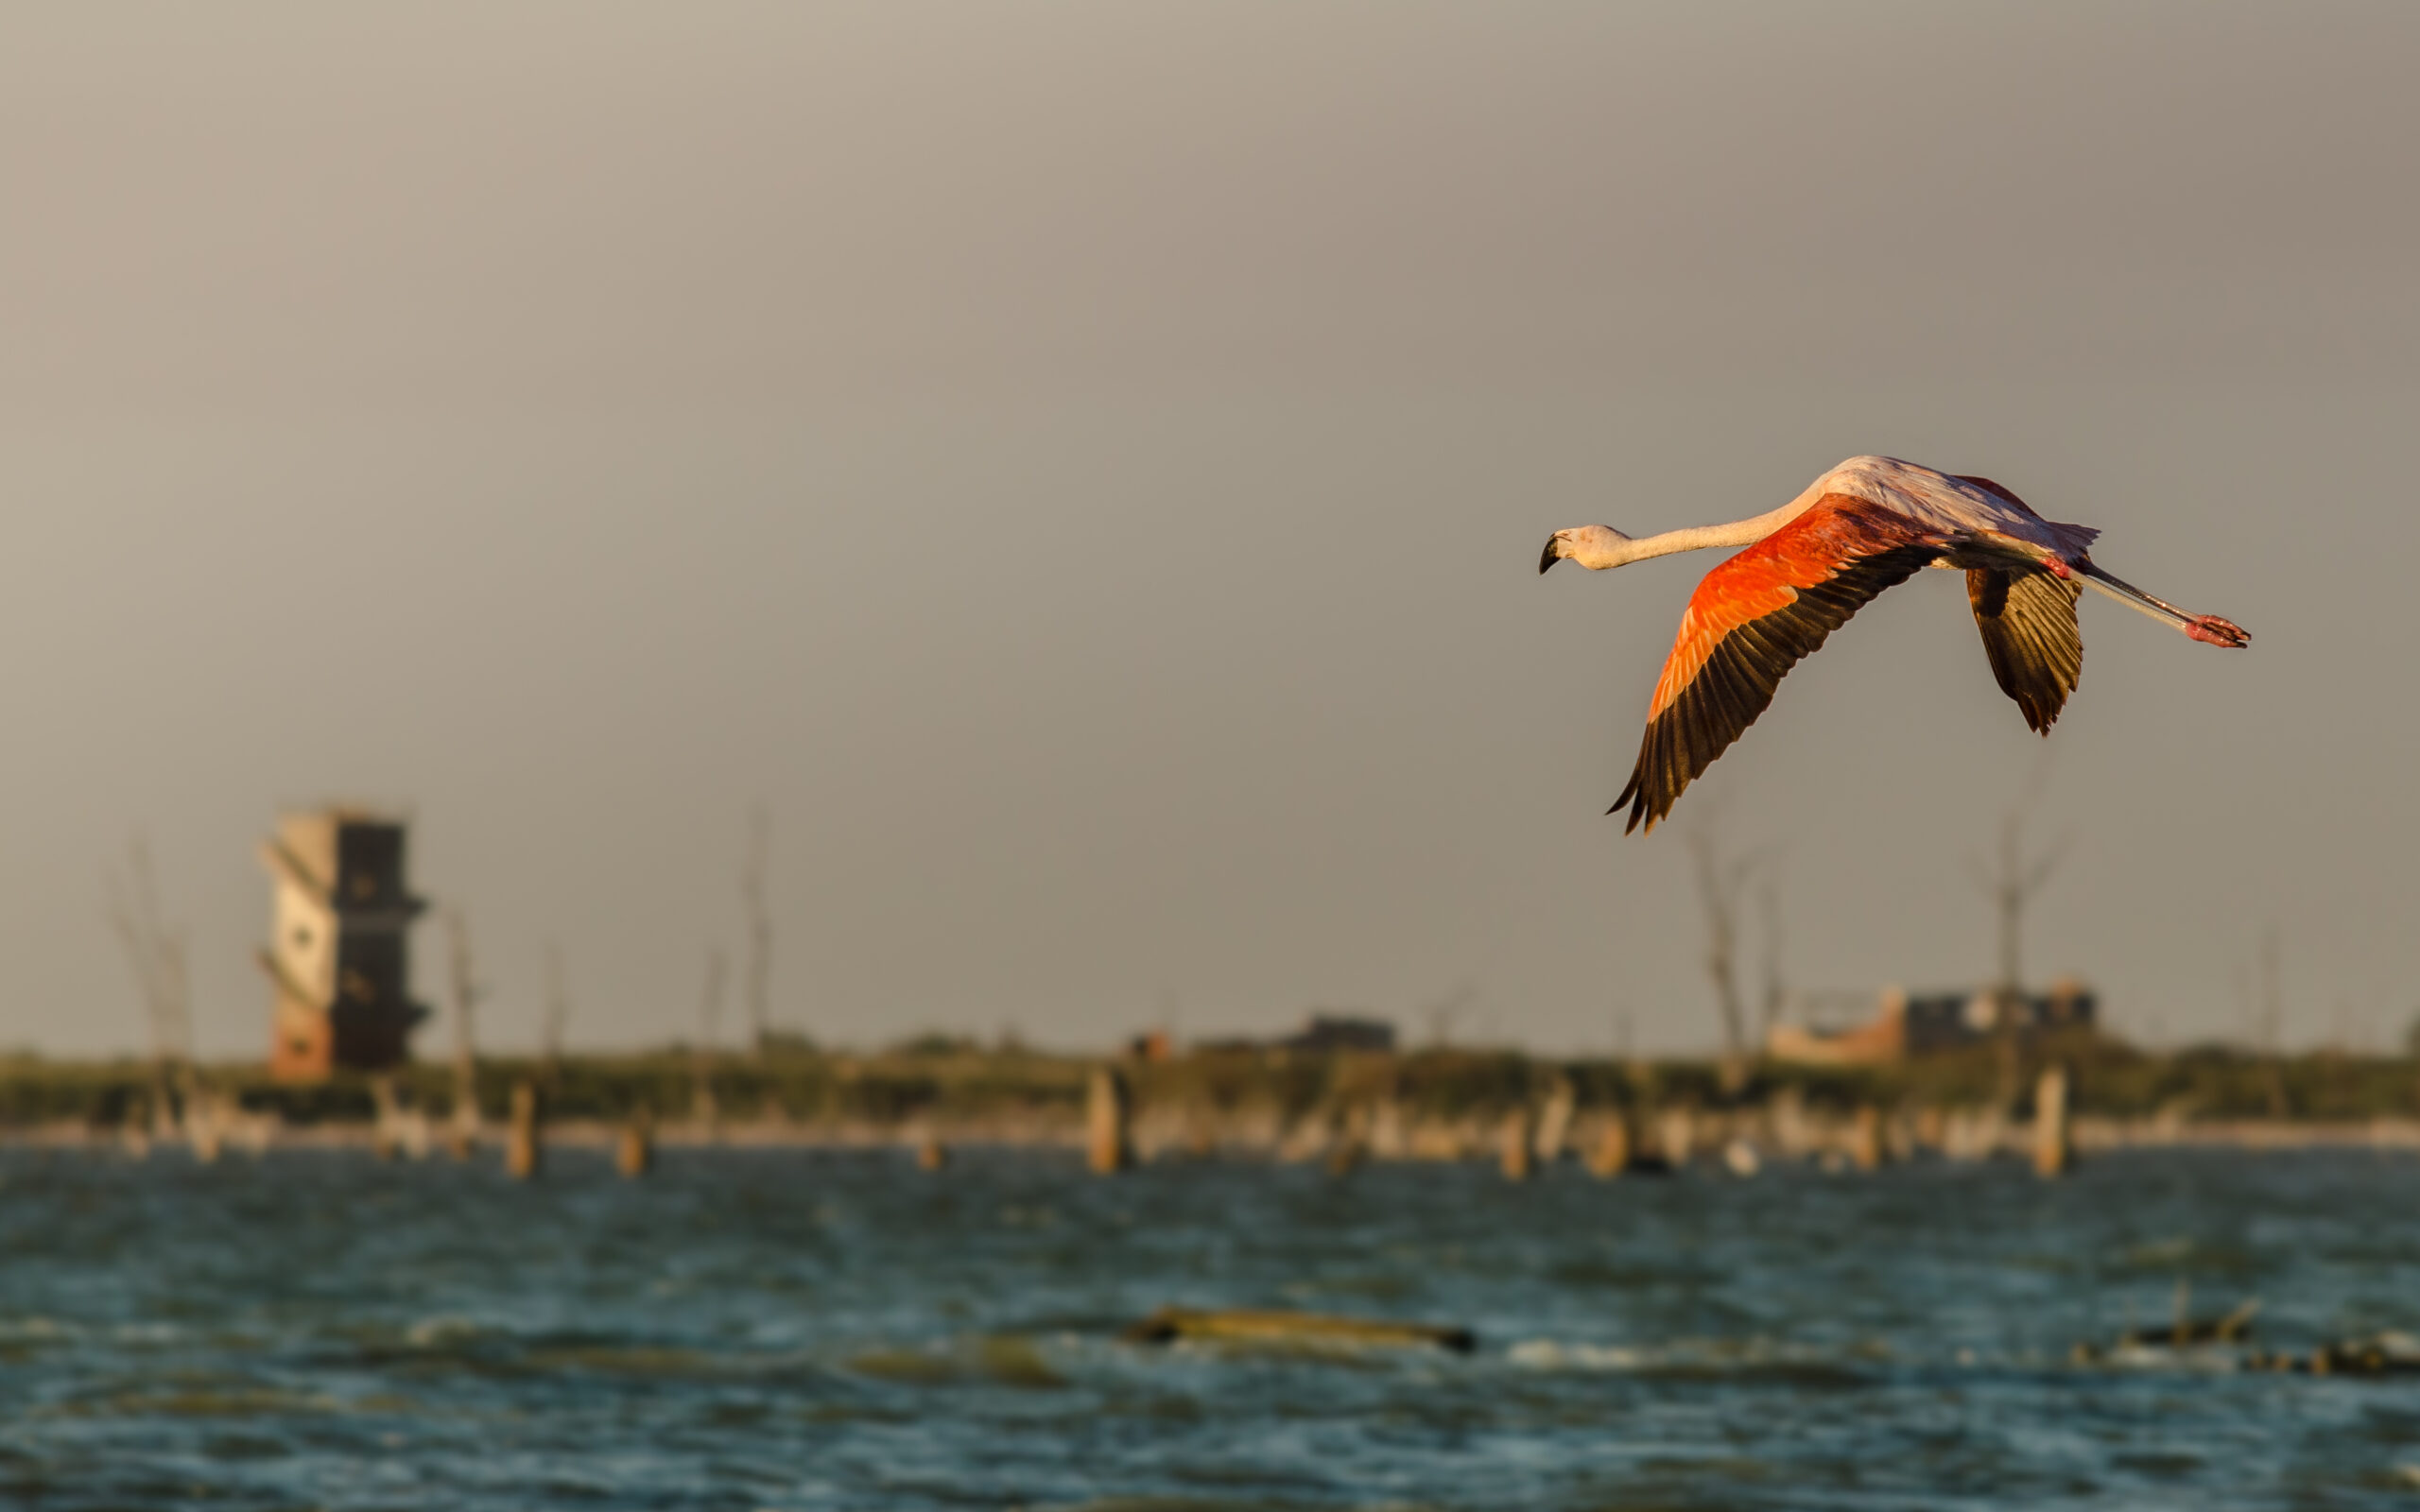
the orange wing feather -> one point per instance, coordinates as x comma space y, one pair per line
1753, 618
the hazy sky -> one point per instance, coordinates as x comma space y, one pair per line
1084, 467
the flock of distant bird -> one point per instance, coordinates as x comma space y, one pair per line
1862, 527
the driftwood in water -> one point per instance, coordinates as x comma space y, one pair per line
1251, 1327
2184, 1331
2379, 1354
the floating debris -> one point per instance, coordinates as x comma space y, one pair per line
2183, 1332
2389, 1353
1170, 1324
1001, 1359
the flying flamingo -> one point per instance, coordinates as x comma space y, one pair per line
1864, 526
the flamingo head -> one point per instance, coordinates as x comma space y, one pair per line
1594, 547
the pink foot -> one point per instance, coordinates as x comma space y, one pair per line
2211, 630
2057, 567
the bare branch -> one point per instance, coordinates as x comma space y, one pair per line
463, 977
154, 950
760, 925
2012, 883
2048, 863
1769, 918
550, 1038
701, 1059
1719, 884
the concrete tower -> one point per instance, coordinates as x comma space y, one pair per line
340, 957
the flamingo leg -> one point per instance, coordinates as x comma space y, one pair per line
2208, 629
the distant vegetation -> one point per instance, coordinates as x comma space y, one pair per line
946, 1079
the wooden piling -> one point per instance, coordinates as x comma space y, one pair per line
1351, 1144
932, 1154
2053, 1154
1344, 1157
1554, 1120
1930, 1129
1108, 1143
634, 1148
1678, 1132
1865, 1138
385, 1128
1611, 1156
135, 1136
520, 1146
1516, 1141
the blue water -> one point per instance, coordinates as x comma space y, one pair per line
792, 1328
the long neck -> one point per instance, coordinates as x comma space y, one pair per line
1737, 533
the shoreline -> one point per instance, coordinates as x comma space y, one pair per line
1707, 1142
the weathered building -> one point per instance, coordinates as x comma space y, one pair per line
1322, 1033
1913, 1024
339, 953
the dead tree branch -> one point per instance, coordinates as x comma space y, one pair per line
1774, 992
701, 1061
1721, 880
155, 951
758, 987
462, 975
550, 1034
2012, 882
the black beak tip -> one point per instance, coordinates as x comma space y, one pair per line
1548, 558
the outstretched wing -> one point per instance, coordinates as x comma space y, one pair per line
2028, 625
1750, 622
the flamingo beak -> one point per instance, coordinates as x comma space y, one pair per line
1551, 555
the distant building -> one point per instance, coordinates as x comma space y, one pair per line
1913, 1025
338, 958
1340, 1032
1319, 1033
